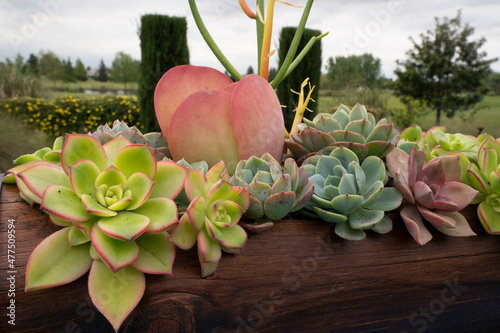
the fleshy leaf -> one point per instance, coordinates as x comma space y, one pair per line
112, 147
157, 254
115, 294
345, 231
457, 193
116, 253
490, 219
196, 184
437, 219
40, 176
347, 204
111, 177
135, 158
79, 147
140, 185
414, 224
461, 229
234, 237
63, 203
278, 205
54, 262
329, 216
208, 249
184, 235
95, 208
423, 195
125, 226
390, 199
169, 180
162, 213
83, 175
384, 226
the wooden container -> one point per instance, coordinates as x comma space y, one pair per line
296, 277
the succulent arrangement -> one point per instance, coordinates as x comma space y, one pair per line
125, 200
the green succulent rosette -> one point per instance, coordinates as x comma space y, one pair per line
349, 194
211, 219
114, 202
274, 191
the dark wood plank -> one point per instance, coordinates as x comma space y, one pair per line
295, 277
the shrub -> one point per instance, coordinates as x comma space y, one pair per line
73, 115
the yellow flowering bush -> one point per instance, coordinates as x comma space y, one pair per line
71, 114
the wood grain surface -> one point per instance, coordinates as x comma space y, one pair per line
296, 277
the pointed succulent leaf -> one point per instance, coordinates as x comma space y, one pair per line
459, 194
363, 218
156, 254
347, 136
83, 175
254, 164
116, 253
123, 203
436, 218
397, 160
330, 192
487, 161
59, 222
345, 231
326, 124
162, 213
197, 210
423, 195
345, 156
361, 126
416, 162
432, 173
184, 235
415, 225
260, 191
381, 132
134, 136
358, 112
325, 165
314, 140
135, 158
374, 170
283, 184
389, 199
38, 177
234, 237
489, 217
196, 184
169, 180
278, 205
63, 203
115, 294
373, 194
216, 173
208, 249
81, 146
113, 146
110, 177
384, 226
140, 185
219, 191
329, 216
490, 143
347, 204
347, 185
461, 229
495, 181
125, 226
476, 179
412, 133
76, 237
264, 177
379, 148
95, 208
239, 196
452, 168
54, 262
342, 115
255, 209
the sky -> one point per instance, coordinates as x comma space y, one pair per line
97, 29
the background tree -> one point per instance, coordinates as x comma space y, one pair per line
163, 46
80, 71
51, 66
446, 70
102, 72
354, 71
309, 67
33, 64
69, 72
125, 69
250, 70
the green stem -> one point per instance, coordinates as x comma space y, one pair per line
260, 32
210, 42
293, 46
301, 56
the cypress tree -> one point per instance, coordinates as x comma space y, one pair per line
163, 46
309, 67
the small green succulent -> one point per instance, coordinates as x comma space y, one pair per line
349, 194
211, 220
275, 191
355, 129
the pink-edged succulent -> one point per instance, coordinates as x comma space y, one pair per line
115, 202
211, 219
432, 192
207, 117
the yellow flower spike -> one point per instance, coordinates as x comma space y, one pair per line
247, 10
302, 105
